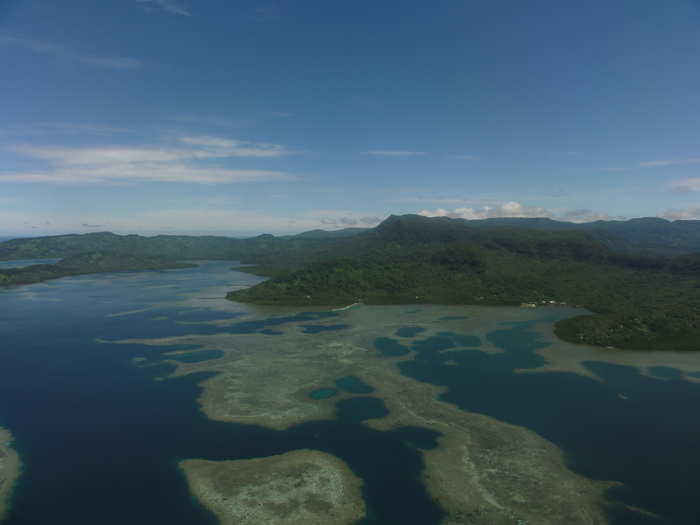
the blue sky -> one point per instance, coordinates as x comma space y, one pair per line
237, 118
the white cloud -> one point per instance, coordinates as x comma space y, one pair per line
395, 153
686, 185
674, 162
515, 209
179, 163
218, 147
343, 219
585, 215
168, 6
682, 214
63, 53
143, 173
508, 209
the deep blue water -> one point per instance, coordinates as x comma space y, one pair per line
648, 439
100, 439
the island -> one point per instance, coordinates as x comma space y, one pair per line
10, 468
634, 301
87, 263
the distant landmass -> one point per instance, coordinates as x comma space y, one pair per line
640, 278
85, 263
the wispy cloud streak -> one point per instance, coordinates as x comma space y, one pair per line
515, 209
60, 52
179, 163
672, 162
168, 6
395, 153
508, 209
686, 185
692, 213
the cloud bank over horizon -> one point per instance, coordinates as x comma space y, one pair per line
514, 209
183, 161
210, 116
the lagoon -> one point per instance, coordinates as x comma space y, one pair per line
110, 381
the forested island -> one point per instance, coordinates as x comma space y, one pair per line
639, 278
638, 301
86, 263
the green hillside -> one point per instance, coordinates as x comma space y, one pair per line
639, 302
640, 299
85, 263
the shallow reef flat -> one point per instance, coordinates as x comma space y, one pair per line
303, 487
483, 471
10, 468
561, 356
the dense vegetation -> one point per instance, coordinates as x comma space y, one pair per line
91, 262
619, 270
638, 301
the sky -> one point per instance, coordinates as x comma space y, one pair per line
247, 117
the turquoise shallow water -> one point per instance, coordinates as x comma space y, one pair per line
100, 438
353, 385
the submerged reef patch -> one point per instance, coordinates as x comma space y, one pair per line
476, 468
303, 487
196, 357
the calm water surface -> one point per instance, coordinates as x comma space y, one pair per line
100, 438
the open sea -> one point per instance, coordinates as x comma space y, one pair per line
100, 438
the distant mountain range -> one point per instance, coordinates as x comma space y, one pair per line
640, 278
647, 236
